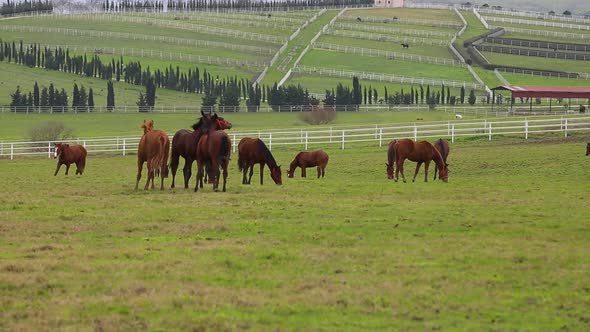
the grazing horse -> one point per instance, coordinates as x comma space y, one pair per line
309, 159
419, 152
184, 143
213, 150
70, 154
253, 151
153, 148
588, 149
442, 146
405, 45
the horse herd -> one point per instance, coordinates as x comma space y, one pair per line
210, 147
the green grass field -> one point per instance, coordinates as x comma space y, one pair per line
503, 246
538, 63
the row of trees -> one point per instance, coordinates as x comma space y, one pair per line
47, 97
17, 7
193, 5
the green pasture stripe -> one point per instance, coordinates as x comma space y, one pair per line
538, 63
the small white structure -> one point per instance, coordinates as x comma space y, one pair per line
458, 116
389, 3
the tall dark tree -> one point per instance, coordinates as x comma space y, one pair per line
471, 100
90, 99
36, 95
462, 97
110, 96
356, 91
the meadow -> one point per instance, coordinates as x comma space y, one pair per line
502, 246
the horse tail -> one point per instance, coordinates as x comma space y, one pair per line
161, 158
224, 149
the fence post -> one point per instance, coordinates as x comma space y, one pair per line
306, 136
380, 137
342, 139
453, 133
49, 150
565, 127
415, 133
526, 129
124, 146
490, 133
233, 143
11, 151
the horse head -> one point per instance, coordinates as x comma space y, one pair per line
205, 122
275, 174
443, 173
147, 125
221, 124
59, 147
389, 170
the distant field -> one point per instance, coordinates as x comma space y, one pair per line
409, 13
538, 63
520, 79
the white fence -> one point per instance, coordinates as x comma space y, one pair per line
548, 24
136, 36
384, 77
387, 54
382, 19
385, 38
537, 15
481, 19
579, 76
376, 28
545, 33
335, 137
533, 52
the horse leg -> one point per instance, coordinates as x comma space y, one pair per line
57, 169
224, 175
401, 169
323, 171
139, 168
244, 171
174, 166
199, 176
67, 168
251, 173
261, 173
435, 171
187, 171
426, 165
418, 164
303, 173
319, 171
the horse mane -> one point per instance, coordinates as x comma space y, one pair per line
270, 160
443, 147
197, 124
438, 159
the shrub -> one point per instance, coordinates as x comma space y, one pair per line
50, 131
319, 116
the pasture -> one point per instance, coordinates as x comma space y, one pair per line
502, 246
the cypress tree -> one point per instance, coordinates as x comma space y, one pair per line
110, 96
90, 99
36, 95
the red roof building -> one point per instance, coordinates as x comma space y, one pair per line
543, 92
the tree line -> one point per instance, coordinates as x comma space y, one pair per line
194, 5
45, 98
14, 7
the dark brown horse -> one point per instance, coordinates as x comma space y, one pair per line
442, 146
419, 152
253, 151
213, 150
184, 143
153, 148
70, 154
309, 159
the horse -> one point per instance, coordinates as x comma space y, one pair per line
420, 152
184, 143
213, 150
309, 159
588, 149
153, 148
70, 154
443, 147
405, 45
253, 151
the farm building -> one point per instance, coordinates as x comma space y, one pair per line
389, 3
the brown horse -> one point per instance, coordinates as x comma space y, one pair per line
253, 151
442, 146
153, 148
420, 152
70, 154
309, 159
184, 143
588, 149
213, 150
